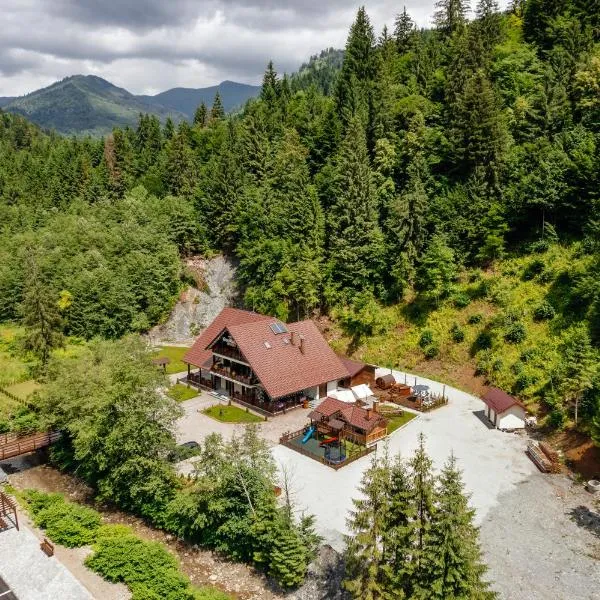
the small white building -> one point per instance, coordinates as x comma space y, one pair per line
503, 411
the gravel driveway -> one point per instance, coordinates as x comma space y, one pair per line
533, 545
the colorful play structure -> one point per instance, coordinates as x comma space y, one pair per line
308, 434
328, 440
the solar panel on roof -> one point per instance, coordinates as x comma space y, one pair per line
278, 327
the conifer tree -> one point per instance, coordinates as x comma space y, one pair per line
354, 86
270, 87
404, 31
217, 112
200, 115
356, 241
40, 314
289, 557
423, 486
398, 538
451, 16
169, 129
364, 550
454, 563
488, 26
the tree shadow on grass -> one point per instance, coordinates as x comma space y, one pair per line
586, 518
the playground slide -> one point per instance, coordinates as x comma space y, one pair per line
329, 440
309, 434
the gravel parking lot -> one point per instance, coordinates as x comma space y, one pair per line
532, 542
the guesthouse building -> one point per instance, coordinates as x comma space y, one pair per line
263, 362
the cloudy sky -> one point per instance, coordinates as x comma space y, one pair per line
148, 46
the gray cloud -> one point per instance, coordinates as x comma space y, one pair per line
150, 45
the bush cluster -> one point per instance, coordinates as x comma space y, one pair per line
65, 523
426, 338
544, 312
475, 319
148, 569
457, 333
461, 300
516, 333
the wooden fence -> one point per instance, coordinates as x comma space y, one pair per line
11, 446
286, 440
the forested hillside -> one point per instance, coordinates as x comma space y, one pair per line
432, 154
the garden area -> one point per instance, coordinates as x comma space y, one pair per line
181, 393
395, 421
175, 355
232, 414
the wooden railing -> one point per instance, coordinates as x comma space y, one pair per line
28, 443
286, 439
8, 507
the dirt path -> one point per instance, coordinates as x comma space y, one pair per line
201, 566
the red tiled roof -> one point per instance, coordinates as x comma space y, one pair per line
352, 366
198, 355
499, 400
352, 414
282, 368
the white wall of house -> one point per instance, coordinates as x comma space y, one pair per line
513, 418
332, 386
237, 388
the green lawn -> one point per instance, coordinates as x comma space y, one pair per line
396, 422
24, 389
231, 414
175, 354
181, 392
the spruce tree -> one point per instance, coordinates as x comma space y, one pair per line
200, 115
399, 531
364, 549
356, 242
455, 569
451, 16
288, 557
355, 81
217, 112
404, 32
423, 485
169, 129
39, 311
488, 25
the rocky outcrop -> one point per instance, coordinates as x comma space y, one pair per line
198, 305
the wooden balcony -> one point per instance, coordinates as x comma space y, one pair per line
229, 352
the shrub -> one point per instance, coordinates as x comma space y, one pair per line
65, 523
528, 354
557, 418
147, 568
522, 382
544, 312
516, 333
475, 319
426, 338
484, 341
539, 246
497, 365
458, 335
535, 267
461, 300
432, 351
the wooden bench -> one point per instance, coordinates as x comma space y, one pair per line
47, 547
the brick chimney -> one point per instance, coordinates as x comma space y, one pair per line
302, 344
368, 414
375, 406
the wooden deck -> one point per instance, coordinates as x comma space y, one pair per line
12, 445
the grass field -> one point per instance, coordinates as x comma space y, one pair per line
175, 354
24, 389
181, 392
483, 307
397, 422
231, 414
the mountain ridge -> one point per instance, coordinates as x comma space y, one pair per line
88, 104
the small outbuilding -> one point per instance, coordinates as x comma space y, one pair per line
503, 410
